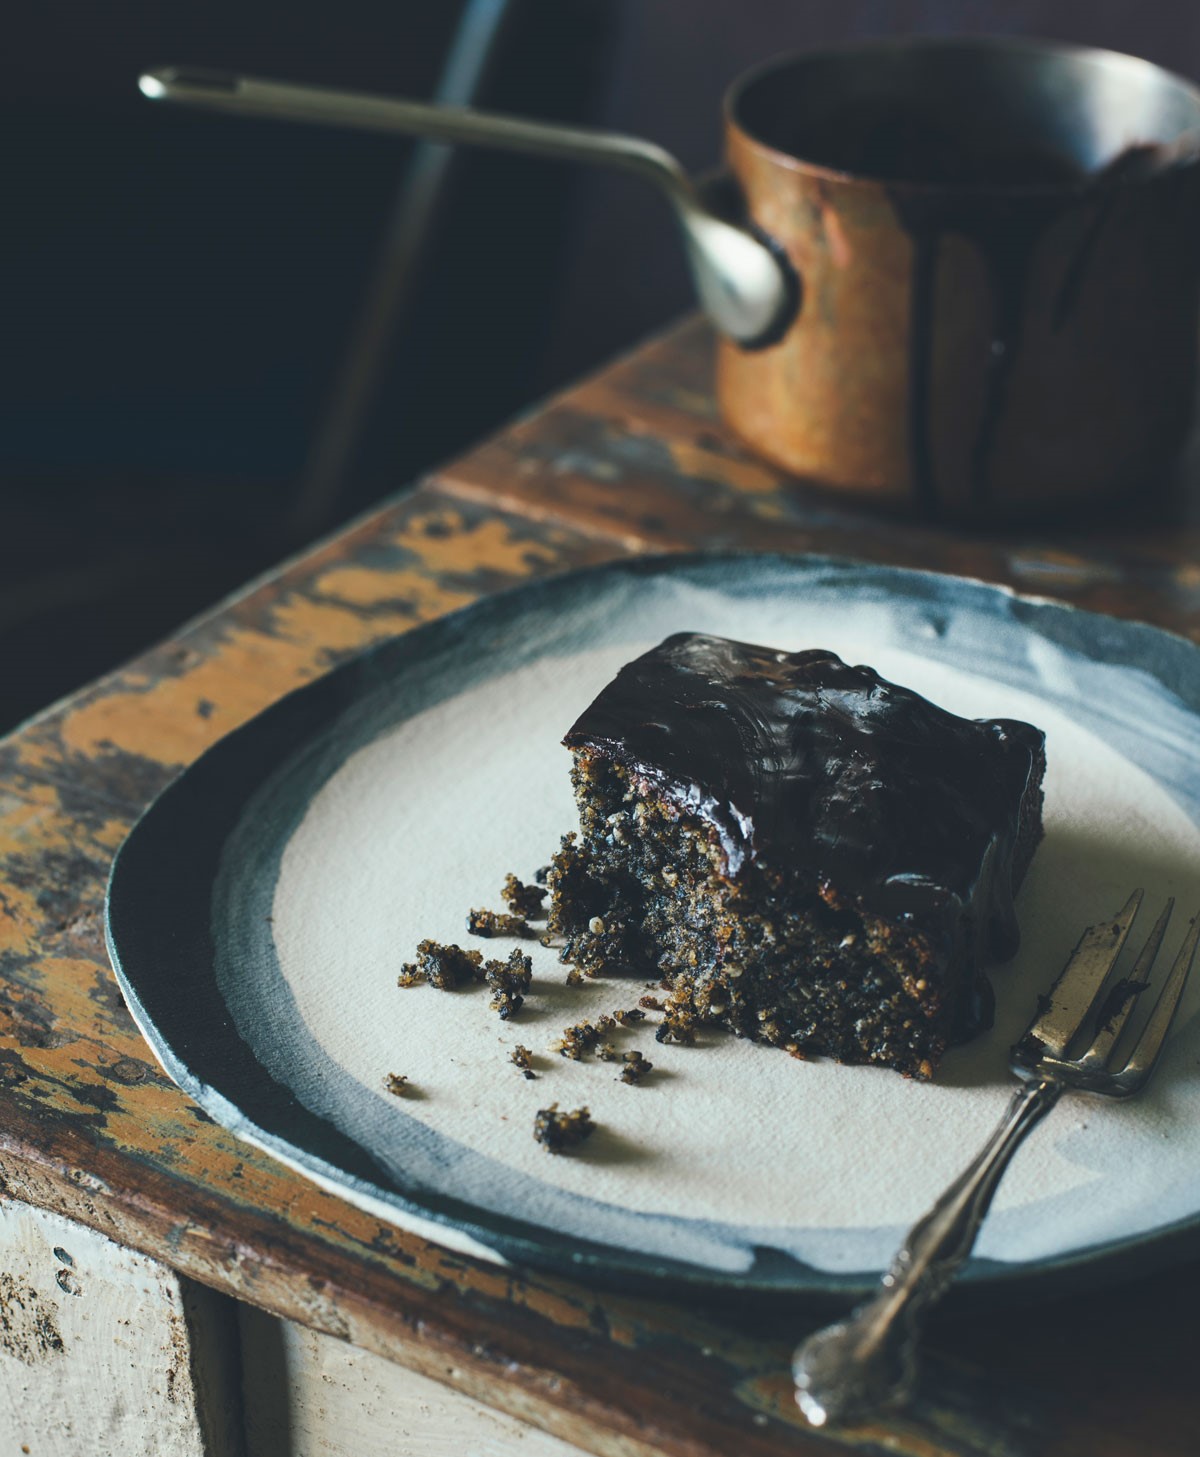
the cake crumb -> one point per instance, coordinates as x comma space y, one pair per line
630, 1017
676, 1027
523, 1058
577, 1041
636, 1068
509, 981
498, 923
442, 966
526, 901
557, 1132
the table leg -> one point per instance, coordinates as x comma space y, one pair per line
306, 1393
104, 1351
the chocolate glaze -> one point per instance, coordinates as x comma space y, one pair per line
806, 765
1003, 205
1006, 230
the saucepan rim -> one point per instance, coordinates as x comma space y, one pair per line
1186, 145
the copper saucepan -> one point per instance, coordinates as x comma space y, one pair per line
962, 277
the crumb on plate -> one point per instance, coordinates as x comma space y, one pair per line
526, 901
442, 966
557, 1132
498, 923
509, 981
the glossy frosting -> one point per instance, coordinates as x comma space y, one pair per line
801, 762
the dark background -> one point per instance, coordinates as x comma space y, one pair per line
180, 289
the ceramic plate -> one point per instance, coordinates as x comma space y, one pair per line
259, 913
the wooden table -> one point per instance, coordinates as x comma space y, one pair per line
214, 1266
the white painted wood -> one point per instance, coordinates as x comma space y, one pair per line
309, 1395
107, 1353
104, 1351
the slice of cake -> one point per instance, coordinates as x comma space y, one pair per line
806, 853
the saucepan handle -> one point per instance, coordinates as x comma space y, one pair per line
743, 286
324, 106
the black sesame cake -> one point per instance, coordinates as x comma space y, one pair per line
803, 852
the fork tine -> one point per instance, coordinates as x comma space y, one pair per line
1154, 1034
1079, 985
1122, 998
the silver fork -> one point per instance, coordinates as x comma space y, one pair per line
869, 1360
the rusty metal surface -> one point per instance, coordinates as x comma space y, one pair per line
90, 1127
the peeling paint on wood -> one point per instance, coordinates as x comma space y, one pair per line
637, 455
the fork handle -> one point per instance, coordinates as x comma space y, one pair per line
869, 1360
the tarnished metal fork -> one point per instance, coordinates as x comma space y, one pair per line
869, 1360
